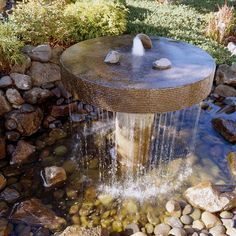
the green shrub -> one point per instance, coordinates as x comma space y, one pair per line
90, 19
10, 47
56, 22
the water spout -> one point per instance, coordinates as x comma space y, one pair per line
138, 48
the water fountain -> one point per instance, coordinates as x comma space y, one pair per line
148, 96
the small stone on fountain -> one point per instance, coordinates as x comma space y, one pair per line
113, 57
162, 64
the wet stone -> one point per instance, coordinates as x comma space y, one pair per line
177, 232
21, 81
33, 212
27, 108
54, 175
9, 195
113, 57
22, 152
230, 101
37, 95
226, 215
225, 91
60, 151
63, 110
5, 82
227, 128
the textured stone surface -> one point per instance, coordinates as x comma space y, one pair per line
225, 75
4, 104
225, 91
43, 73
14, 97
76, 230
141, 89
42, 53
5, 81
227, 128
9, 195
206, 197
37, 95
54, 175
34, 213
22, 152
21, 81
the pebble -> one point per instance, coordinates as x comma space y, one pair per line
196, 214
216, 230
60, 151
14, 97
162, 230
172, 205
187, 220
134, 227
198, 224
139, 234
226, 215
210, 220
3, 182
188, 209
113, 57
229, 223
162, 64
203, 234
177, 232
5, 81
149, 228
174, 222
231, 231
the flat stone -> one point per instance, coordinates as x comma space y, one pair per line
186, 219
5, 82
26, 123
14, 97
34, 213
227, 128
76, 230
4, 104
225, 75
162, 64
53, 175
22, 152
37, 95
22, 81
43, 73
225, 91
41, 53
162, 229
9, 195
206, 197
231, 158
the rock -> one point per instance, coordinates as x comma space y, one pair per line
9, 195
4, 226
4, 104
41, 53
198, 224
210, 220
105, 199
177, 232
14, 97
12, 136
22, 152
60, 150
56, 53
188, 209
172, 205
21, 81
231, 231
23, 66
186, 219
53, 175
231, 101
63, 110
225, 91
227, 128
232, 48
226, 215
206, 197
146, 41
43, 73
162, 230
133, 227
217, 230
2, 147
5, 82
139, 234
76, 230
34, 213
162, 64
229, 223
174, 222
37, 95
231, 158
3, 210
113, 57
2, 5
225, 75
3, 182
27, 123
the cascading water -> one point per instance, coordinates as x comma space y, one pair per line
138, 49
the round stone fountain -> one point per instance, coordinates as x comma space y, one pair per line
133, 88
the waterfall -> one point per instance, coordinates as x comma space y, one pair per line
138, 49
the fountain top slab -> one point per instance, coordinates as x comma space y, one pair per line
133, 86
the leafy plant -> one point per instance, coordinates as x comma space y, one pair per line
10, 47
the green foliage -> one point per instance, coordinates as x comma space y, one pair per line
10, 47
178, 21
56, 22
90, 19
